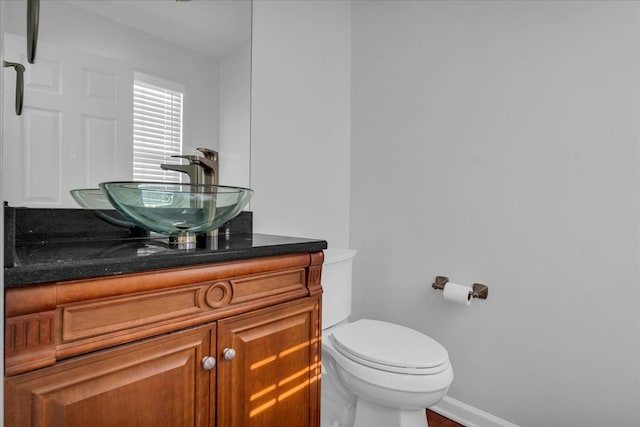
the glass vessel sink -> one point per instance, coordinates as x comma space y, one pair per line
91, 198
95, 199
178, 210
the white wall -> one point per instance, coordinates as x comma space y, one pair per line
300, 118
497, 142
235, 118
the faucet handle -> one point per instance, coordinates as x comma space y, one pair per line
208, 153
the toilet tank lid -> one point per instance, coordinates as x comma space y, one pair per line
333, 255
389, 344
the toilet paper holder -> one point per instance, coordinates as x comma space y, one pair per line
479, 290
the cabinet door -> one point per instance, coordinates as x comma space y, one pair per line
157, 382
273, 380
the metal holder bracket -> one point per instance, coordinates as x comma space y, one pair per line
480, 290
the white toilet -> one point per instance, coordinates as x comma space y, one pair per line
375, 374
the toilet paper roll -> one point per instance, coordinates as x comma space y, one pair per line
458, 294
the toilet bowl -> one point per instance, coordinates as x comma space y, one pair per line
374, 373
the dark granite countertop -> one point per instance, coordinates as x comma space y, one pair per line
40, 262
50, 245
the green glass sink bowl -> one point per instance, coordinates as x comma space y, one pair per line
94, 199
174, 208
91, 198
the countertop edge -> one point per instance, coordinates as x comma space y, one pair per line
33, 274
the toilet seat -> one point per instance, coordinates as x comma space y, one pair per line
390, 347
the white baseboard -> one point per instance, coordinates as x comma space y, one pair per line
467, 415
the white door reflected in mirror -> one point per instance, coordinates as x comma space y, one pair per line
77, 123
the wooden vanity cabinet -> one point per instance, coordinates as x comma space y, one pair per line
262, 331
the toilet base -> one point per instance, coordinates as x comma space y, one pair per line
370, 414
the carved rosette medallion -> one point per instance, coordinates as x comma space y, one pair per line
218, 295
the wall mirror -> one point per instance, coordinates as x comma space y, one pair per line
76, 128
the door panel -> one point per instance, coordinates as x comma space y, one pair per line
275, 374
159, 382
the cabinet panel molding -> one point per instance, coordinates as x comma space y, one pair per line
267, 285
104, 287
29, 342
315, 273
105, 388
87, 319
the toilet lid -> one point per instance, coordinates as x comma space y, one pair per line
390, 347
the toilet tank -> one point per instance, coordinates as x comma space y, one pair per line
336, 285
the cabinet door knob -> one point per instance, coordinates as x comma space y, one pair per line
208, 362
228, 353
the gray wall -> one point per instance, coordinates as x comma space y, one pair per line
498, 142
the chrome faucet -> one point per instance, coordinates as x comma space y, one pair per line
201, 170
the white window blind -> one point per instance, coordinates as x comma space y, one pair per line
157, 127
